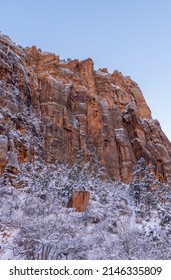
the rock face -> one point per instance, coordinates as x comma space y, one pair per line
79, 201
51, 109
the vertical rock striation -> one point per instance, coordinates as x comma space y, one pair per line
51, 109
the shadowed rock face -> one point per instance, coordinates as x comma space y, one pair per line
51, 109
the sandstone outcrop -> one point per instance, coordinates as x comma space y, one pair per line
79, 201
51, 109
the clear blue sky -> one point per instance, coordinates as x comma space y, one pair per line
132, 36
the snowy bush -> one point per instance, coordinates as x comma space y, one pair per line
121, 222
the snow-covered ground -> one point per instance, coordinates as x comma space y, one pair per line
118, 223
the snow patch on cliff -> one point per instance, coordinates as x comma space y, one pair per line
120, 133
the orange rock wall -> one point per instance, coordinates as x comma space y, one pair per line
51, 109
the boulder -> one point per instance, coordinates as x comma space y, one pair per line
79, 201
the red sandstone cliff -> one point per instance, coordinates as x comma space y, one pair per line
51, 109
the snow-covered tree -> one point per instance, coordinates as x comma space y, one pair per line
118, 223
